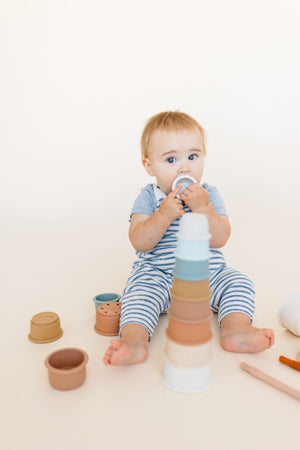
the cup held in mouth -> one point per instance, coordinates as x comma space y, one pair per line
185, 180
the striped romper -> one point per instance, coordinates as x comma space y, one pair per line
147, 292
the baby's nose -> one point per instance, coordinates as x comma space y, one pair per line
184, 168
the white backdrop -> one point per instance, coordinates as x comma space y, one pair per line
78, 81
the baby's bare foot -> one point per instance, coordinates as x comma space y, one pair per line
248, 340
120, 353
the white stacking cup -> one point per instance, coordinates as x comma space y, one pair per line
187, 380
193, 227
289, 313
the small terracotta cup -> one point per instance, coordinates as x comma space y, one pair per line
188, 356
191, 290
188, 332
108, 318
45, 327
189, 310
66, 368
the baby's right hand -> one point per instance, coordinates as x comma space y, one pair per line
172, 207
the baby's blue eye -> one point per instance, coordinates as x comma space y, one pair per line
192, 157
171, 160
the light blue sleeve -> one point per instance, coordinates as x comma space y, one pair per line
145, 203
215, 199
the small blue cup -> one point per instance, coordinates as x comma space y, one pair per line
191, 270
105, 298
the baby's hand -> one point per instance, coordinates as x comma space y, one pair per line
171, 207
195, 197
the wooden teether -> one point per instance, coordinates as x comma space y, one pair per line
270, 380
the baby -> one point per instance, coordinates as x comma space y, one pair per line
173, 143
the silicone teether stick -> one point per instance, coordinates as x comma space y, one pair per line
270, 380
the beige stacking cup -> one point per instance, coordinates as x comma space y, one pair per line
191, 290
189, 332
188, 356
45, 327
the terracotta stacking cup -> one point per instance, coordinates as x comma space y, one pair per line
108, 318
188, 356
67, 368
191, 270
189, 332
45, 327
191, 290
189, 310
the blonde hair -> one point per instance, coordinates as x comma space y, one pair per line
170, 121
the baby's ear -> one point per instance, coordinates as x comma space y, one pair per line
147, 164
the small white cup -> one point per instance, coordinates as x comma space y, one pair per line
193, 227
289, 313
185, 180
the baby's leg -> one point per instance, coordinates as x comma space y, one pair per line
145, 297
132, 349
233, 299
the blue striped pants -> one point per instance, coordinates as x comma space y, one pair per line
147, 295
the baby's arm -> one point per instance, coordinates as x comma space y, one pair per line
219, 226
197, 199
146, 231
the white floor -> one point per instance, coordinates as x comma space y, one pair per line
59, 267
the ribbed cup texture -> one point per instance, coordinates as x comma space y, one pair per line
188, 350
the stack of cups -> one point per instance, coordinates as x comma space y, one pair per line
188, 352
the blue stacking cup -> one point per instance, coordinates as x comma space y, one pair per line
192, 250
191, 270
105, 298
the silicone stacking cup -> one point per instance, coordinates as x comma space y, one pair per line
191, 290
192, 356
192, 250
193, 227
187, 380
105, 298
289, 313
45, 327
67, 368
185, 180
191, 270
189, 332
189, 310
108, 318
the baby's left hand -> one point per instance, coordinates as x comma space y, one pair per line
195, 197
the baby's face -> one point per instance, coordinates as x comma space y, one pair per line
173, 153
